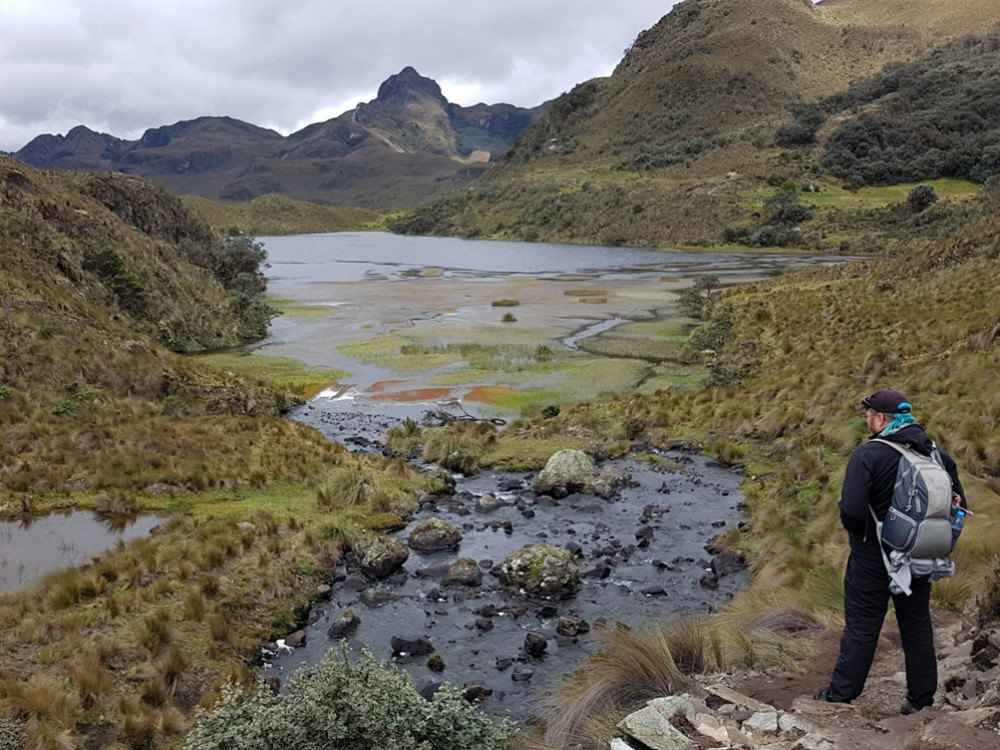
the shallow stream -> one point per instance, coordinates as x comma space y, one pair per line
642, 557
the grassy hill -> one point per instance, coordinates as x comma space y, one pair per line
682, 140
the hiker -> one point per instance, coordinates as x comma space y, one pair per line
870, 479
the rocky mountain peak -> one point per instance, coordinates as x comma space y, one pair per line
407, 85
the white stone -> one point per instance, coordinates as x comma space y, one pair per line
764, 722
731, 696
650, 727
793, 723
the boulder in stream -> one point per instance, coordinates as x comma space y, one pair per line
380, 557
567, 471
541, 570
434, 535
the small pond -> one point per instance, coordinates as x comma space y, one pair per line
31, 547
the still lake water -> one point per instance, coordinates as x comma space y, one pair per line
344, 288
368, 256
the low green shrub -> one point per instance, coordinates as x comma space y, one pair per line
362, 705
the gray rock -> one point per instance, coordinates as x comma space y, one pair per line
541, 570
434, 535
650, 727
380, 557
411, 645
463, 572
569, 470
346, 624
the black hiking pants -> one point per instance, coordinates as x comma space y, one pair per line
866, 600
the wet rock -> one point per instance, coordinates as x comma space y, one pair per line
324, 592
433, 571
541, 570
488, 503
380, 557
487, 610
434, 535
522, 673
709, 581
599, 572
566, 471
344, 625
436, 595
411, 645
611, 481
535, 645
296, 639
653, 591
476, 693
644, 536
435, 662
727, 562
572, 626
483, 624
504, 662
464, 572
374, 598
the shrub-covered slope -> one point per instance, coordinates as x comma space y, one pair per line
97, 274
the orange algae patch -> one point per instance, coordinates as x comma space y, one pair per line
385, 385
488, 394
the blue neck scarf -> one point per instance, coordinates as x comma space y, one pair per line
899, 421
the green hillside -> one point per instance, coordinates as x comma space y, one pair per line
722, 102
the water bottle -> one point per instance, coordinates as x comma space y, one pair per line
958, 522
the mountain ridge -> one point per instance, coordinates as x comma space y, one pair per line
403, 146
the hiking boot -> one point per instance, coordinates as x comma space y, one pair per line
824, 695
908, 708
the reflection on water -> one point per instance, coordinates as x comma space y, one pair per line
359, 256
30, 547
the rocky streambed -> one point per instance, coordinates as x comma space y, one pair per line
640, 540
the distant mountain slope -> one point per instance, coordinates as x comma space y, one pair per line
679, 143
404, 146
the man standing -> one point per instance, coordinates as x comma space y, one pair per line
870, 480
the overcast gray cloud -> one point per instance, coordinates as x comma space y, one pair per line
122, 66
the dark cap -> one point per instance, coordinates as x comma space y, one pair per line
886, 401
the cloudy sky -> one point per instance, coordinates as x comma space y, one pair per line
122, 66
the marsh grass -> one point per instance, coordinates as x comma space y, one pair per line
285, 372
453, 451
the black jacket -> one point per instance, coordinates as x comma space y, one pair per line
871, 478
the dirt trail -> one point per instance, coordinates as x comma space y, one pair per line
874, 720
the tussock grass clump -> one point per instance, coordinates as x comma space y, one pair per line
504, 303
348, 486
633, 666
453, 452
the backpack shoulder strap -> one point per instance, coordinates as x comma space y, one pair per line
903, 450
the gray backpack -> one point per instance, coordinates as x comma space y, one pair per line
918, 522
